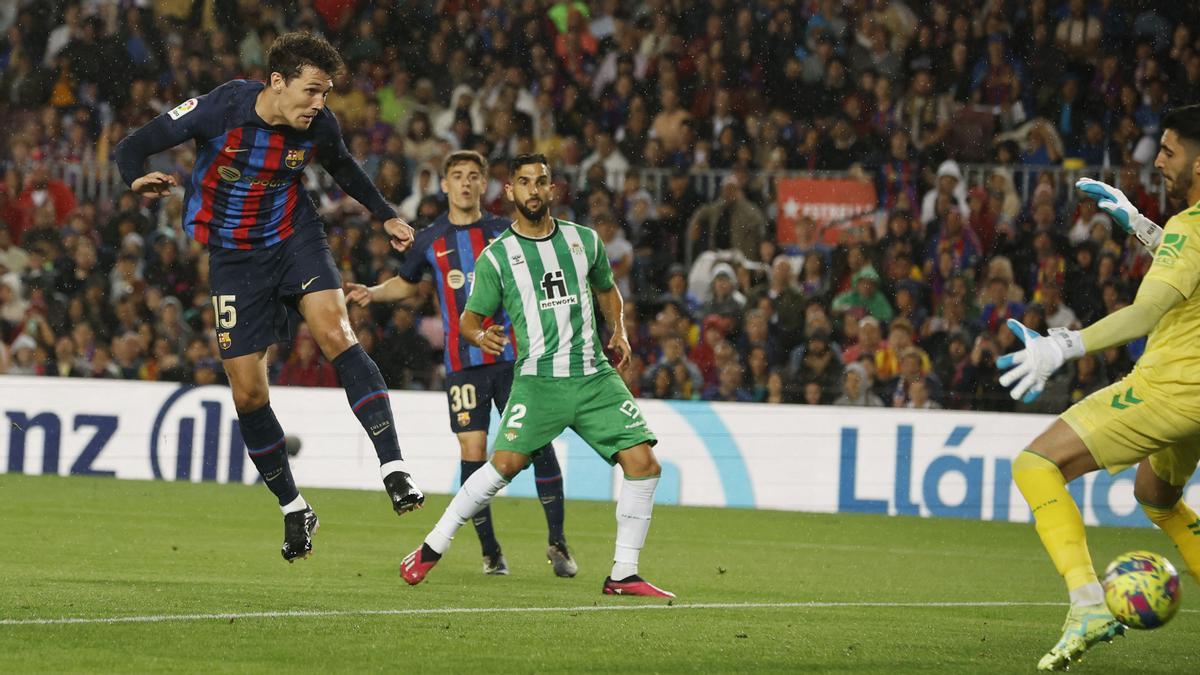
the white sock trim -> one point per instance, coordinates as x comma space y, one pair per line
297, 504
388, 468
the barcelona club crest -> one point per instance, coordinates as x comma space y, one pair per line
294, 158
224, 340
464, 418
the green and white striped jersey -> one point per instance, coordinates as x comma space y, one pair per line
545, 286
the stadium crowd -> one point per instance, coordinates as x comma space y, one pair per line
907, 314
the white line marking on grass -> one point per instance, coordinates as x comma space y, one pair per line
304, 614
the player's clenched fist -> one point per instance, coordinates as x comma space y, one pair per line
401, 233
154, 184
492, 340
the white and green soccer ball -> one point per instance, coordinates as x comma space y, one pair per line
1142, 589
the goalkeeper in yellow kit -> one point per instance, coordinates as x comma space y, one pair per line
1150, 418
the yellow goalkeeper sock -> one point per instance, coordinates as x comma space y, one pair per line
1183, 527
1057, 518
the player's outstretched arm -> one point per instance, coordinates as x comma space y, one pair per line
161, 133
392, 290
1114, 202
1154, 299
349, 175
1029, 368
491, 340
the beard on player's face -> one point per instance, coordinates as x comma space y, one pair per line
1182, 185
536, 213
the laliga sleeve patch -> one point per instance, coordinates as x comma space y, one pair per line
183, 108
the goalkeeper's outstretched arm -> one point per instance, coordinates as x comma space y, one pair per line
1154, 299
1028, 369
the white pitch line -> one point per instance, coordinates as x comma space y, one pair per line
302, 613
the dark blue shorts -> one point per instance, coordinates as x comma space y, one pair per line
471, 392
255, 292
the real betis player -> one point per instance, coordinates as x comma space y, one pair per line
1151, 418
551, 277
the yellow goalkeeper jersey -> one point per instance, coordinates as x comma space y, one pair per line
1171, 362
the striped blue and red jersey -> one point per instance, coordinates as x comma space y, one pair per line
246, 190
449, 251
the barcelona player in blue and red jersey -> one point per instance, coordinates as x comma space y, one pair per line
474, 380
268, 256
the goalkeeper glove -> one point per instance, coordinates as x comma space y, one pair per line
1032, 366
1114, 202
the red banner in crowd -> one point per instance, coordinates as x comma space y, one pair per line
836, 205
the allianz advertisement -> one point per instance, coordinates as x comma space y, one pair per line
797, 458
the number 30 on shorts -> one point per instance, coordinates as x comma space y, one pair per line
226, 313
463, 397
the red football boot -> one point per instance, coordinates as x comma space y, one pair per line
633, 585
413, 568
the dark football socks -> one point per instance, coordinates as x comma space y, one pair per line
265, 445
548, 477
368, 396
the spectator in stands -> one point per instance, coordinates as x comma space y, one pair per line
677, 291
731, 222
729, 385
818, 364
855, 391
949, 186
786, 301
674, 358
305, 366
1088, 377
864, 298
918, 396
725, 300
1057, 314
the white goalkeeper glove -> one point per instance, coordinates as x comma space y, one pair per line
1114, 202
1032, 366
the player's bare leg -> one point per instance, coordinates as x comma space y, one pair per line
635, 503
265, 445
473, 453
1042, 472
1163, 504
325, 312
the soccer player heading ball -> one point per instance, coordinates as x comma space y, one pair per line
550, 276
268, 257
1151, 418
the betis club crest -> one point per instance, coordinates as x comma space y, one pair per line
294, 158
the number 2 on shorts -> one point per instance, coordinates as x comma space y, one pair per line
518, 413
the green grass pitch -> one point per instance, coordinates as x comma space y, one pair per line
95, 548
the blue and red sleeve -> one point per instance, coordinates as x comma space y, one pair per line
416, 260
196, 118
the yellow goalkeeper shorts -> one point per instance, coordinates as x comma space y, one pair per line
1128, 421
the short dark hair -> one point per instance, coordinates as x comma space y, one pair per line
521, 160
1185, 121
291, 52
461, 156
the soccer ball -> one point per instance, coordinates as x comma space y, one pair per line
1141, 589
